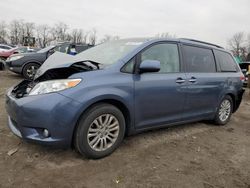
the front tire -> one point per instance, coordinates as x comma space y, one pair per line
100, 131
29, 70
224, 111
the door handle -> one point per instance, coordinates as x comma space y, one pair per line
192, 80
180, 80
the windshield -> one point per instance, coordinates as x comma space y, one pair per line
45, 49
108, 53
22, 50
62, 47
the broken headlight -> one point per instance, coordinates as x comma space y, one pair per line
54, 86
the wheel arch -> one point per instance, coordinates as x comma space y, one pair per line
115, 102
28, 62
233, 97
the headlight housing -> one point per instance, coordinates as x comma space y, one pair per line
54, 86
13, 58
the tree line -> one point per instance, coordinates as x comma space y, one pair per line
16, 31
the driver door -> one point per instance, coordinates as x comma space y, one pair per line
160, 96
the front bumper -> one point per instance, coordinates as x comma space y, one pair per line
9, 66
29, 116
13, 128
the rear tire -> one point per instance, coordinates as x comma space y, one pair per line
224, 111
29, 70
100, 131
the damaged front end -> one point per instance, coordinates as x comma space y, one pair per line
57, 67
22, 89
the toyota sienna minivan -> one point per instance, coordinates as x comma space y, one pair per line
92, 100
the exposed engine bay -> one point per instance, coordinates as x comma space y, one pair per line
24, 87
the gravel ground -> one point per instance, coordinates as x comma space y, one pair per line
191, 155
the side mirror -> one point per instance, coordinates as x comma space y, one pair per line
149, 66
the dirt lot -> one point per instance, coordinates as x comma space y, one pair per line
191, 155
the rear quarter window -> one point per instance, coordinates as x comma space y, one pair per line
225, 61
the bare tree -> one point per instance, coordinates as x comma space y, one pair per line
15, 31
29, 29
59, 31
3, 32
248, 42
93, 37
165, 35
78, 36
43, 35
68, 37
19, 30
85, 37
107, 38
22, 31
248, 48
236, 43
74, 35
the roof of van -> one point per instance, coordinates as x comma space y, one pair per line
194, 41
143, 40
182, 40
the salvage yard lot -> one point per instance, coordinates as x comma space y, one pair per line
191, 155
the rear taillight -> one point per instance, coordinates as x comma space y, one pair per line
242, 77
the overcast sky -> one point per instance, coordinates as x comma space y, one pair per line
210, 20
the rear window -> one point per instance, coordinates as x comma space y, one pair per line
198, 59
226, 61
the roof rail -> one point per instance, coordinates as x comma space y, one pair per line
193, 40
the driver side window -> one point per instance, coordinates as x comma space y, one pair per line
167, 54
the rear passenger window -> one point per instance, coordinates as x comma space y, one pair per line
198, 59
226, 61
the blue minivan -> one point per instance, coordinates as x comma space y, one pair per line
92, 100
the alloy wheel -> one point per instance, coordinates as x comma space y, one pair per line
225, 110
103, 132
31, 71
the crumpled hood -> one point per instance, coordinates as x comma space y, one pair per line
57, 60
